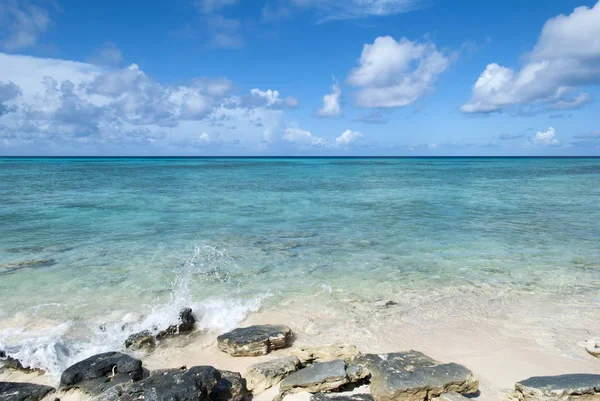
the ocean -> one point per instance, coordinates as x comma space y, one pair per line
94, 249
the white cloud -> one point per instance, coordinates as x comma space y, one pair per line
209, 6
395, 74
109, 54
331, 102
66, 103
347, 138
21, 23
547, 138
565, 58
351, 9
303, 138
269, 98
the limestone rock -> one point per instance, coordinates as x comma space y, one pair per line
255, 340
23, 391
185, 325
411, 375
262, 376
200, 383
571, 387
320, 377
341, 397
326, 353
100, 372
141, 341
451, 397
593, 347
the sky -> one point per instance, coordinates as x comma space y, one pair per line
300, 77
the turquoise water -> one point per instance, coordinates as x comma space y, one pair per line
87, 244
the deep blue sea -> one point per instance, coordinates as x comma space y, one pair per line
87, 244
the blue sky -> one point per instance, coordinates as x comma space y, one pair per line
299, 77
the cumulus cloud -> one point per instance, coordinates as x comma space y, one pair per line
546, 138
565, 58
268, 98
347, 138
64, 102
303, 138
22, 23
396, 73
351, 9
331, 102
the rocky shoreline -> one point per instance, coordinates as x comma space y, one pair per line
335, 372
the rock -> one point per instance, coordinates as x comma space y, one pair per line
199, 383
100, 372
451, 397
186, 324
341, 397
411, 375
8, 268
385, 304
326, 353
357, 372
323, 376
23, 391
571, 387
8, 361
255, 340
141, 341
262, 376
593, 347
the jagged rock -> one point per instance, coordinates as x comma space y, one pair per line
357, 372
100, 372
320, 377
341, 397
385, 304
199, 383
262, 376
413, 376
23, 391
141, 341
451, 397
255, 340
571, 387
186, 324
8, 361
326, 353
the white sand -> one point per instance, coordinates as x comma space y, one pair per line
501, 340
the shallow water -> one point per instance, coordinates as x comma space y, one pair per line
90, 244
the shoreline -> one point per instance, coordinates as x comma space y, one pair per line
486, 347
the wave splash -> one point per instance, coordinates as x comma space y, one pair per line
54, 347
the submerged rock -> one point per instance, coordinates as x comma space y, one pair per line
571, 387
255, 340
23, 391
326, 353
341, 397
100, 372
141, 341
8, 268
411, 375
199, 383
262, 376
320, 377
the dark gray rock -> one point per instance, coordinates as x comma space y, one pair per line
320, 377
23, 391
341, 397
200, 383
411, 375
564, 387
255, 340
262, 376
100, 372
185, 325
8, 268
141, 341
